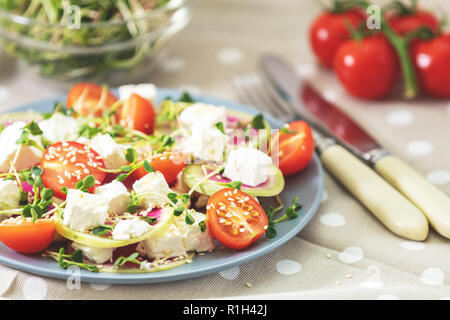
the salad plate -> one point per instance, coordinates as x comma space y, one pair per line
307, 185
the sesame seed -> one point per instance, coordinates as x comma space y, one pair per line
265, 227
163, 158
207, 207
328, 256
242, 230
235, 191
248, 284
349, 276
338, 282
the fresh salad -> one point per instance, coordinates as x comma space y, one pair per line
122, 184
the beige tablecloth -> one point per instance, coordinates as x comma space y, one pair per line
344, 253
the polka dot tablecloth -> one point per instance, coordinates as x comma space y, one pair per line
344, 253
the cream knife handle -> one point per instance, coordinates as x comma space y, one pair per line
396, 212
432, 201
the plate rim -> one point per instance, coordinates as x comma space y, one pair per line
143, 278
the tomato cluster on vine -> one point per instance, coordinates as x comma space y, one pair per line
369, 62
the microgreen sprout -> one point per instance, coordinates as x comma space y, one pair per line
74, 259
122, 260
85, 184
219, 126
30, 129
233, 184
290, 213
102, 230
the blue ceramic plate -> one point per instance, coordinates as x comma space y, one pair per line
308, 185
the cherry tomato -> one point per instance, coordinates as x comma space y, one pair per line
235, 219
295, 149
330, 30
90, 99
137, 113
432, 63
27, 237
66, 163
405, 23
368, 68
168, 163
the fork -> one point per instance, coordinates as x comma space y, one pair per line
395, 211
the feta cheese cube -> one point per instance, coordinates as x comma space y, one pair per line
84, 211
168, 244
194, 238
98, 255
155, 188
145, 90
9, 194
207, 144
113, 154
202, 115
247, 165
129, 229
116, 196
60, 128
24, 157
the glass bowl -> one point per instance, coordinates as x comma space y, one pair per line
112, 52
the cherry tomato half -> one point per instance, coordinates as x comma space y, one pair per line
90, 99
168, 163
65, 163
137, 113
235, 219
27, 237
295, 149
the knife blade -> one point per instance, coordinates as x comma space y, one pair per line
432, 202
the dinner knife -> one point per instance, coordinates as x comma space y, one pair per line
433, 203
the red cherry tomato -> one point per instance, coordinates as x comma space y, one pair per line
295, 149
137, 113
235, 219
330, 30
405, 23
368, 68
168, 163
27, 237
432, 63
90, 99
65, 163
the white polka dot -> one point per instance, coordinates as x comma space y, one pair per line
173, 64
439, 177
34, 288
388, 296
351, 255
330, 95
4, 93
419, 148
324, 196
433, 276
413, 245
190, 88
400, 118
230, 55
288, 267
307, 70
99, 286
371, 284
332, 220
230, 274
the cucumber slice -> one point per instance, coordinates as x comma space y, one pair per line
193, 174
89, 239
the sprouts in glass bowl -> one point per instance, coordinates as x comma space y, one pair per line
75, 40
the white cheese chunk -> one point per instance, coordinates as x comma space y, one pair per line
145, 90
194, 238
167, 244
207, 144
129, 229
155, 188
116, 196
98, 255
113, 154
23, 157
247, 165
60, 128
202, 115
84, 211
9, 194
179, 239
